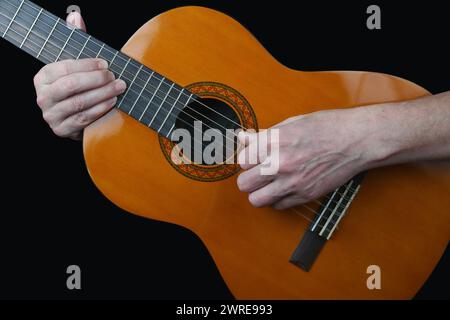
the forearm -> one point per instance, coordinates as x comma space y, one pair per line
408, 131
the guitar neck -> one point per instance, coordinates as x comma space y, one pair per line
150, 98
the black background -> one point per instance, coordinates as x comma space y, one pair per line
52, 215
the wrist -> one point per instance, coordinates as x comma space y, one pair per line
377, 128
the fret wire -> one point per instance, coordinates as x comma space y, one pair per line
101, 48
12, 20
35, 7
159, 108
123, 70
58, 21
29, 31
65, 44
120, 76
170, 111
115, 55
151, 99
43, 48
169, 134
131, 83
140, 94
84, 46
48, 38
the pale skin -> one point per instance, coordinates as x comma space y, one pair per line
318, 152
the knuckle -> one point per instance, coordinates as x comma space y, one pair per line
70, 84
92, 63
287, 163
41, 100
59, 131
47, 117
67, 66
285, 188
78, 103
82, 119
37, 80
41, 77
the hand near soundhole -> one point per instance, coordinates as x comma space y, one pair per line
319, 152
315, 156
74, 93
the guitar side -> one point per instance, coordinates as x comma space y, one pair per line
400, 220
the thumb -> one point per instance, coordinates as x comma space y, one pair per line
75, 19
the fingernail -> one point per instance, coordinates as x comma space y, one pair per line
120, 85
71, 18
103, 64
74, 18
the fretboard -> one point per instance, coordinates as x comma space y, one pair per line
150, 98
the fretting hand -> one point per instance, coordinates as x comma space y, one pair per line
74, 93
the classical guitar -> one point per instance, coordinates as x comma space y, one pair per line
395, 218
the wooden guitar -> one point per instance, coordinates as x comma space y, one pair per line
396, 218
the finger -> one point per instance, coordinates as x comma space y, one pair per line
54, 71
85, 100
288, 202
267, 195
81, 120
79, 82
251, 180
248, 157
76, 20
256, 150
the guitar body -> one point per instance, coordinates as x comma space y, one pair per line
399, 220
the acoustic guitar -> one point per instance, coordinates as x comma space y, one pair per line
394, 222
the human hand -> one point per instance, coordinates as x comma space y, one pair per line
74, 93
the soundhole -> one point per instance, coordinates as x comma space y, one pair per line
220, 108
203, 117
207, 120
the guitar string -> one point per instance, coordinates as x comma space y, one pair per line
126, 78
36, 34
30, 4
59, 21
52, 59
303, 205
